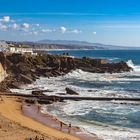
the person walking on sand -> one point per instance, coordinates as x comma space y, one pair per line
69, 128
21, 108
1, 99
61, 124
38, 108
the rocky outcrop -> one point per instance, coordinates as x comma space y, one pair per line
40, 92
71, 92
23, 69
26, 79
101, 66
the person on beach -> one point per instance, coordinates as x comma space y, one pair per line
21, 108
61, 124
37, 108
69, 128
1, 99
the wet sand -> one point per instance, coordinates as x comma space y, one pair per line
33, 111
10, 109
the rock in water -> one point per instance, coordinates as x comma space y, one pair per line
25, 79
37, 92
71, 92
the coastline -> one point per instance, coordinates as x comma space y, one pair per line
40, 68
10, 108
33, 111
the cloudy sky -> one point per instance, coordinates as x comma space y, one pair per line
104, 21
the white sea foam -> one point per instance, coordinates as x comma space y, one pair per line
83, 82
135, 68
113, 133
72, 109
92, 84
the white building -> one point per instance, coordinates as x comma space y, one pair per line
12, 48
20, 50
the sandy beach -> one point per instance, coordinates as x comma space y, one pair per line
10, 130
15, 125
33, 111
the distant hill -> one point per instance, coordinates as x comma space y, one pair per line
85, 44
71, 45
66, 42
54, 45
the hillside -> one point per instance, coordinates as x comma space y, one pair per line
55, 45
88, 45
67, 44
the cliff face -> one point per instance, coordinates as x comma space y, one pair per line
101, 66
23, 69
2, 73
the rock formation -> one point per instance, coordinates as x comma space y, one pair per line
71, 92
22, 69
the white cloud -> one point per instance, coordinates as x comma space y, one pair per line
3, 27
5, 19
6, 23
14, 26
76, 31
37, 25
94, 33
46, 30
25, 25
63, 29
35, 33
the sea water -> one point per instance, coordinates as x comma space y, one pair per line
110, 120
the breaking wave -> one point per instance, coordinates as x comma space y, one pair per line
109, 120
131, 64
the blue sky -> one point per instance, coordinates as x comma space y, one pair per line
104, 21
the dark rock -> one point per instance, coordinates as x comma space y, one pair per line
26, 69
25, 79
14, 85
90, 90
34, 76
71, 92
37, 92
61, 93
39, 101
40, 92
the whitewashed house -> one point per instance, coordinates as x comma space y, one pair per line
20, 49
14, 48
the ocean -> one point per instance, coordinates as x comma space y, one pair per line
110, 120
